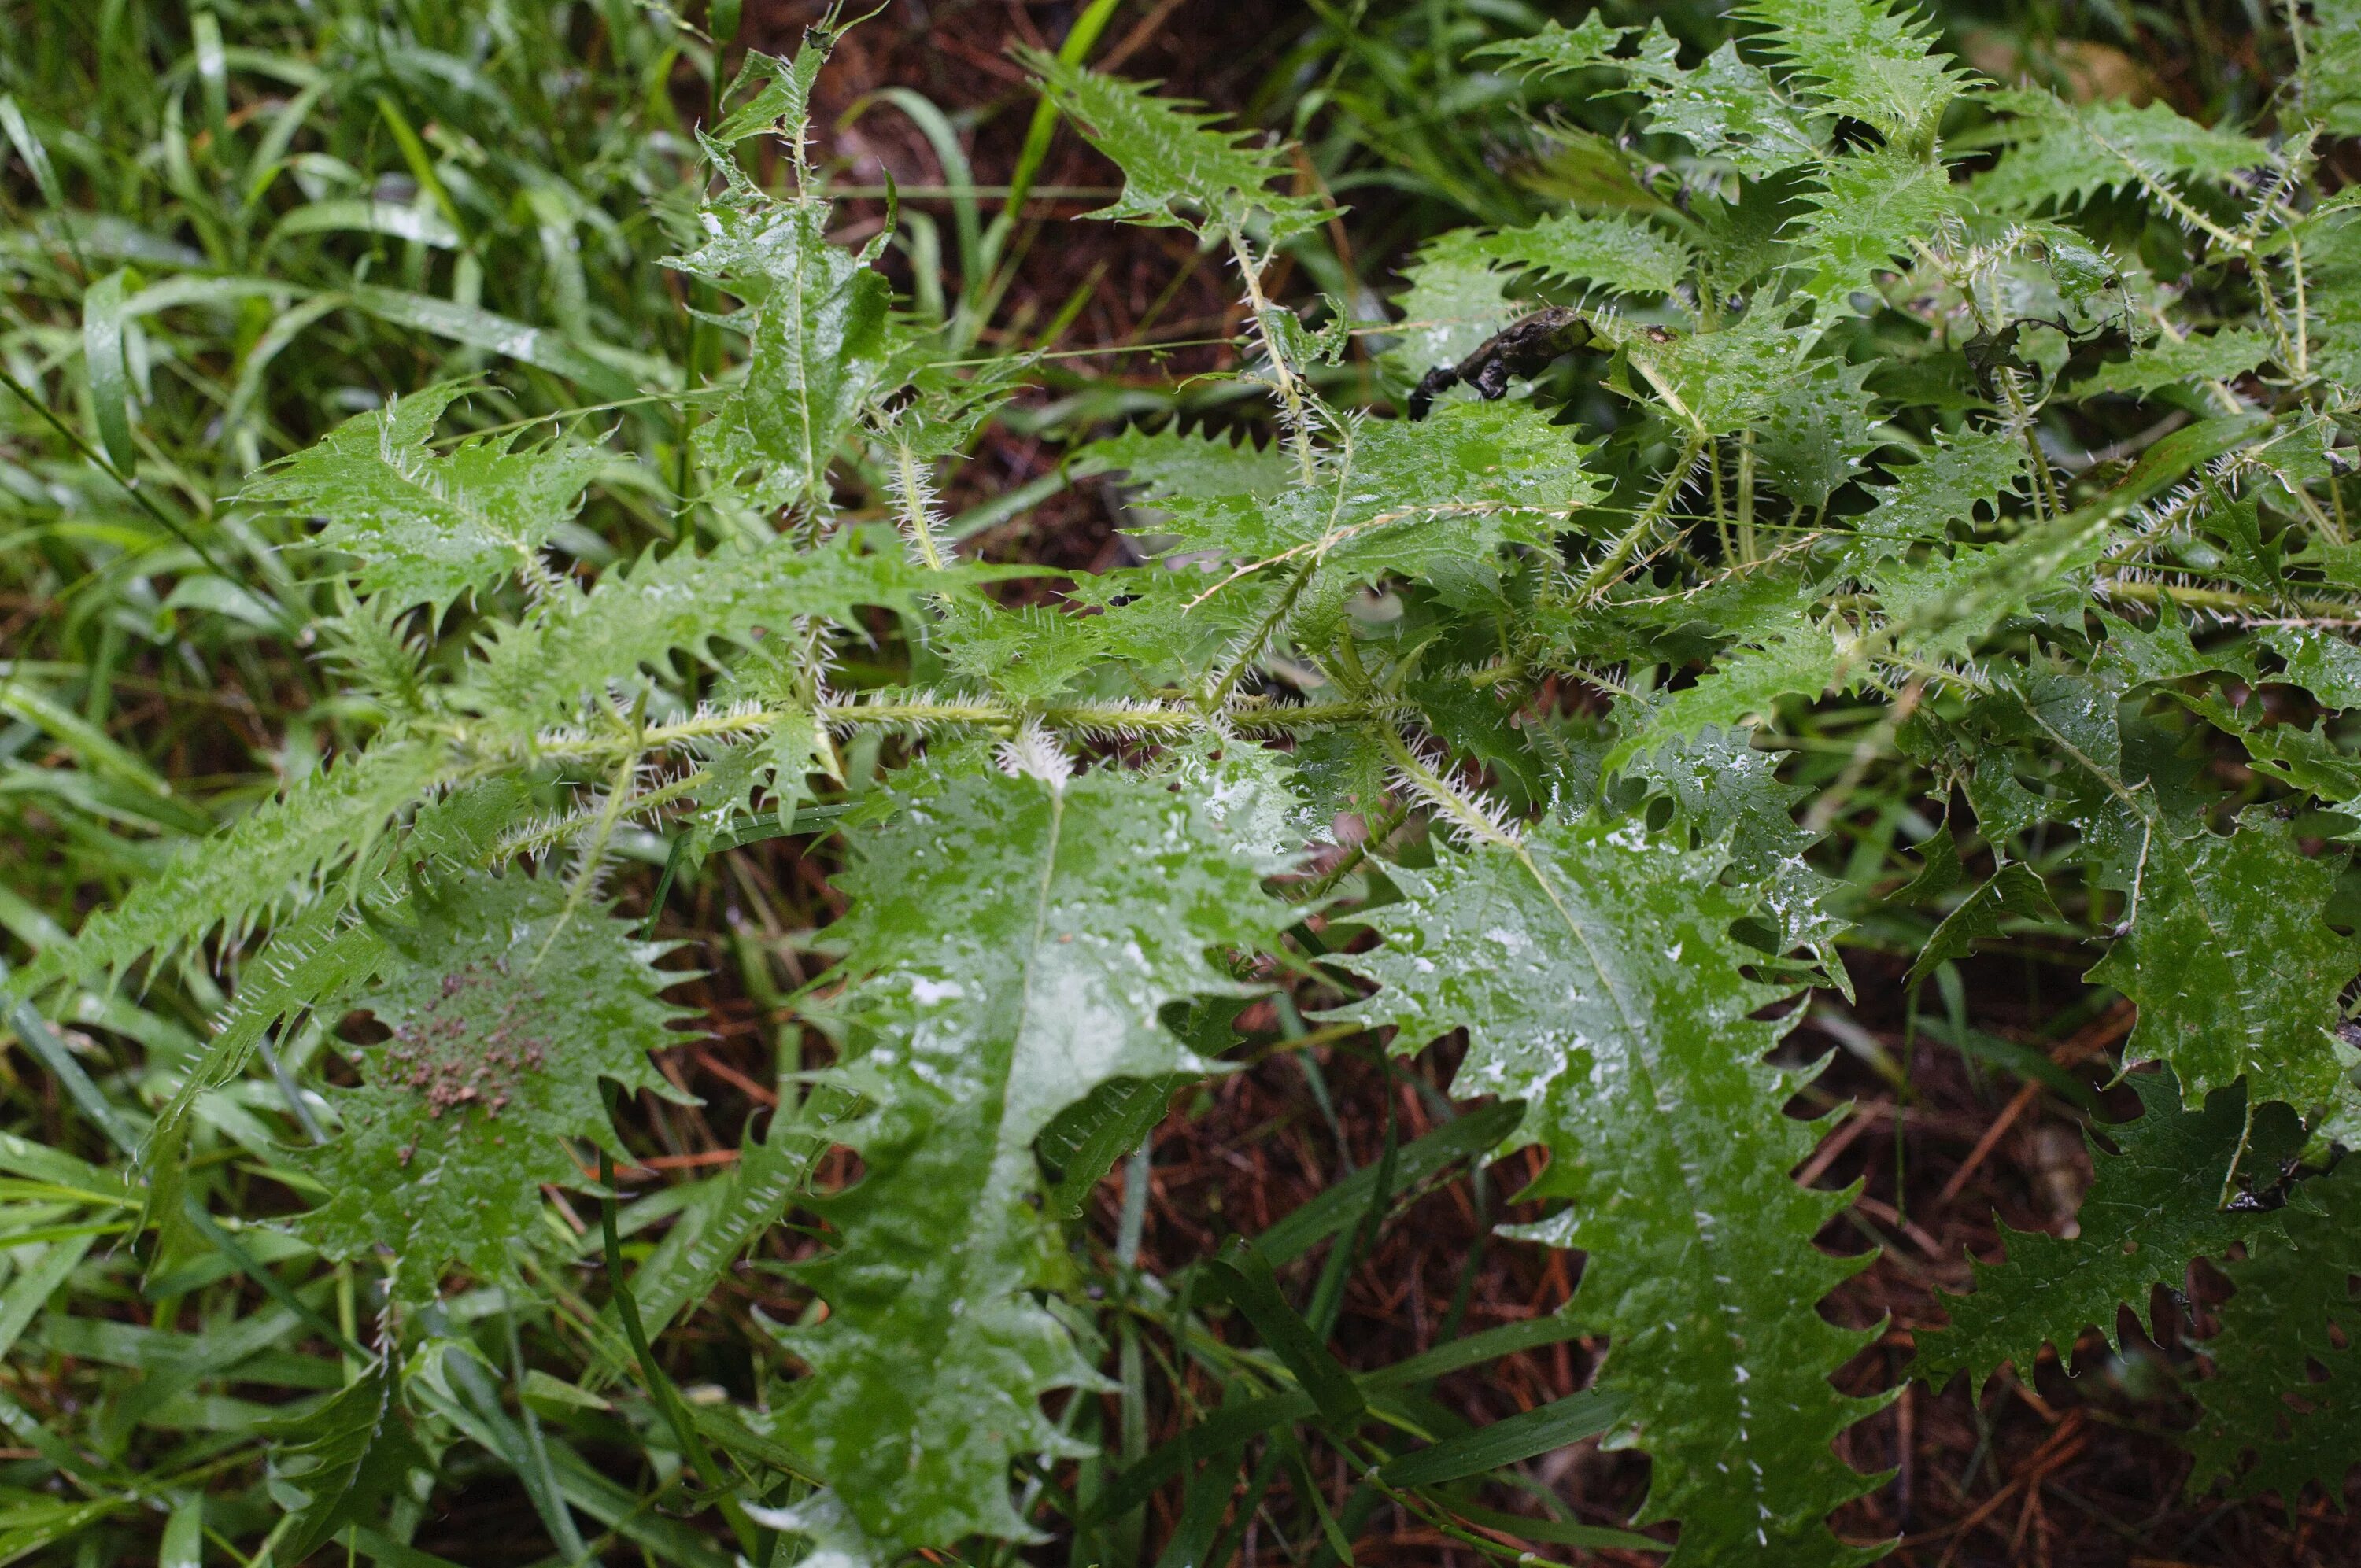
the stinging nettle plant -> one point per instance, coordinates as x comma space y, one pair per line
1462, 724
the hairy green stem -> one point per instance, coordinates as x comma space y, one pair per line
1290, 391
1746, 498
2231, 601
1610, 566
1243, 658
1146, 717
1444, 795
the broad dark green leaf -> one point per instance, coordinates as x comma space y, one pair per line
2229, 955
504, 1007
2015, 889
336, 1464
1595, 972
1018, 940
2169, 1197
429, 526
2267, 1419
816, 346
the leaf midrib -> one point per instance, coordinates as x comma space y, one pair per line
1642, 1067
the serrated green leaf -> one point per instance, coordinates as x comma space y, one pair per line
1018, 938
1430, 499
1454, 303
1942, 605
1615, 254
334, 1466
816, 352
1728, 108
1951, 481
429, 527
315, 959
2332, 249
1083, 1142
943, 400
2015, 889
2232, 547
1342, 770
1153, 621
1863, 58
2085, 275
2172, 362
505, 1005
1032, 653
781, 106
1251, 791
262, 864
2332, 78
741, 1206
1720, 381
1195, 462
1577, 629
1594, 974
2267, 1420
1177, 169
1481, 724
1863, 215
1742, 691
1938, 868
535, 671
2163, 1201
2226, 943
2229, 958
1819, 427
1557, 49
2133, 656
1728, 792
2318, 660
2065, 154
